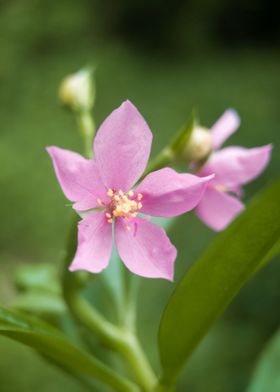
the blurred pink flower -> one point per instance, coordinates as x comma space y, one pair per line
233, 167
101, 190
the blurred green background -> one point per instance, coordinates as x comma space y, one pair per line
168, 58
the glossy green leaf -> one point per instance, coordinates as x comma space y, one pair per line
56, 347
212, 282
266, 376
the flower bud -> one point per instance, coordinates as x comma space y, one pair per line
199, 144
76, 90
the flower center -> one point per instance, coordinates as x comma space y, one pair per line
221, 188
125, 205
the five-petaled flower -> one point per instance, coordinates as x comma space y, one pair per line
233, 167
105, 195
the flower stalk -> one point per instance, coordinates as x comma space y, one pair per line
118, 339
77, 92
87, 128
176, 151
164, 388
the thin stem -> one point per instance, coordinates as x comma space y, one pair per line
173, 151
162, 159
119, 339
131, 285
88, 316
166, 383
100, 372
112, 279
88, 129
134, 354
164, 388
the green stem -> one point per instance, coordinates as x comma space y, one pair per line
119, 339
132, 284
135, 356
114, 380
164, 388
88, 129
162, 159
174, 150
100, 372
87, 315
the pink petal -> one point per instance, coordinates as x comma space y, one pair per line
167, 193
94, 244
78, 178
235, 166
122, 147
218, 209
145, 249
226, 125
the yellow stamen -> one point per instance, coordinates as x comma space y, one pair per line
110, 192
221, 188
122, 205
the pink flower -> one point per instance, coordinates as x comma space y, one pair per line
101, 190
233, 167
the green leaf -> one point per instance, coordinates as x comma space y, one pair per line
267, 374
178, 144
40, 276
38, 302
213, 281
56, 347
40, 292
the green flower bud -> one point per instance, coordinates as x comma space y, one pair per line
199, 145
77, 91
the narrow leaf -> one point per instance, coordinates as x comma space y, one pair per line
267, 374
56, 347
216, 277
41, 276
40, 303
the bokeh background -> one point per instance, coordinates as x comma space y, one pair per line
168, 57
